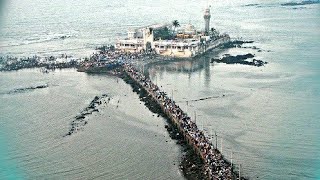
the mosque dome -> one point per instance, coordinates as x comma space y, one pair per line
189, 27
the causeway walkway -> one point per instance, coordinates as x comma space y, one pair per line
216, 167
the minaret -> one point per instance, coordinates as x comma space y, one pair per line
207, 17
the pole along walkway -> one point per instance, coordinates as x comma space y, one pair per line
216, 167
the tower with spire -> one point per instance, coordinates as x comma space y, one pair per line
207, 17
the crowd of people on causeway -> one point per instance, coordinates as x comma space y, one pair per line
110, 57
216, 167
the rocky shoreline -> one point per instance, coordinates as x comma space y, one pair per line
235, 43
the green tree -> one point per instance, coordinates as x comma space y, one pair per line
163, 33
175, 24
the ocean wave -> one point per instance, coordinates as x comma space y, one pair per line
39, 39
301, 3
248, 5
308, 2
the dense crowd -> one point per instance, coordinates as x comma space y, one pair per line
108, 56
215, 166
8, 63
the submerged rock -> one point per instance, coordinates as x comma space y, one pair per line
18, 90
80, 121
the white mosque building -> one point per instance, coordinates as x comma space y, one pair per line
188, 42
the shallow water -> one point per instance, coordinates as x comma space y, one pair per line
267, 116
117, 143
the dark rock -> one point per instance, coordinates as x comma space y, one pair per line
235, 43
80, 117
239, 59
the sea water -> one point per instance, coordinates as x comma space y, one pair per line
266, 117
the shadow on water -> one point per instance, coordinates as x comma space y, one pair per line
188, 66
185, 66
